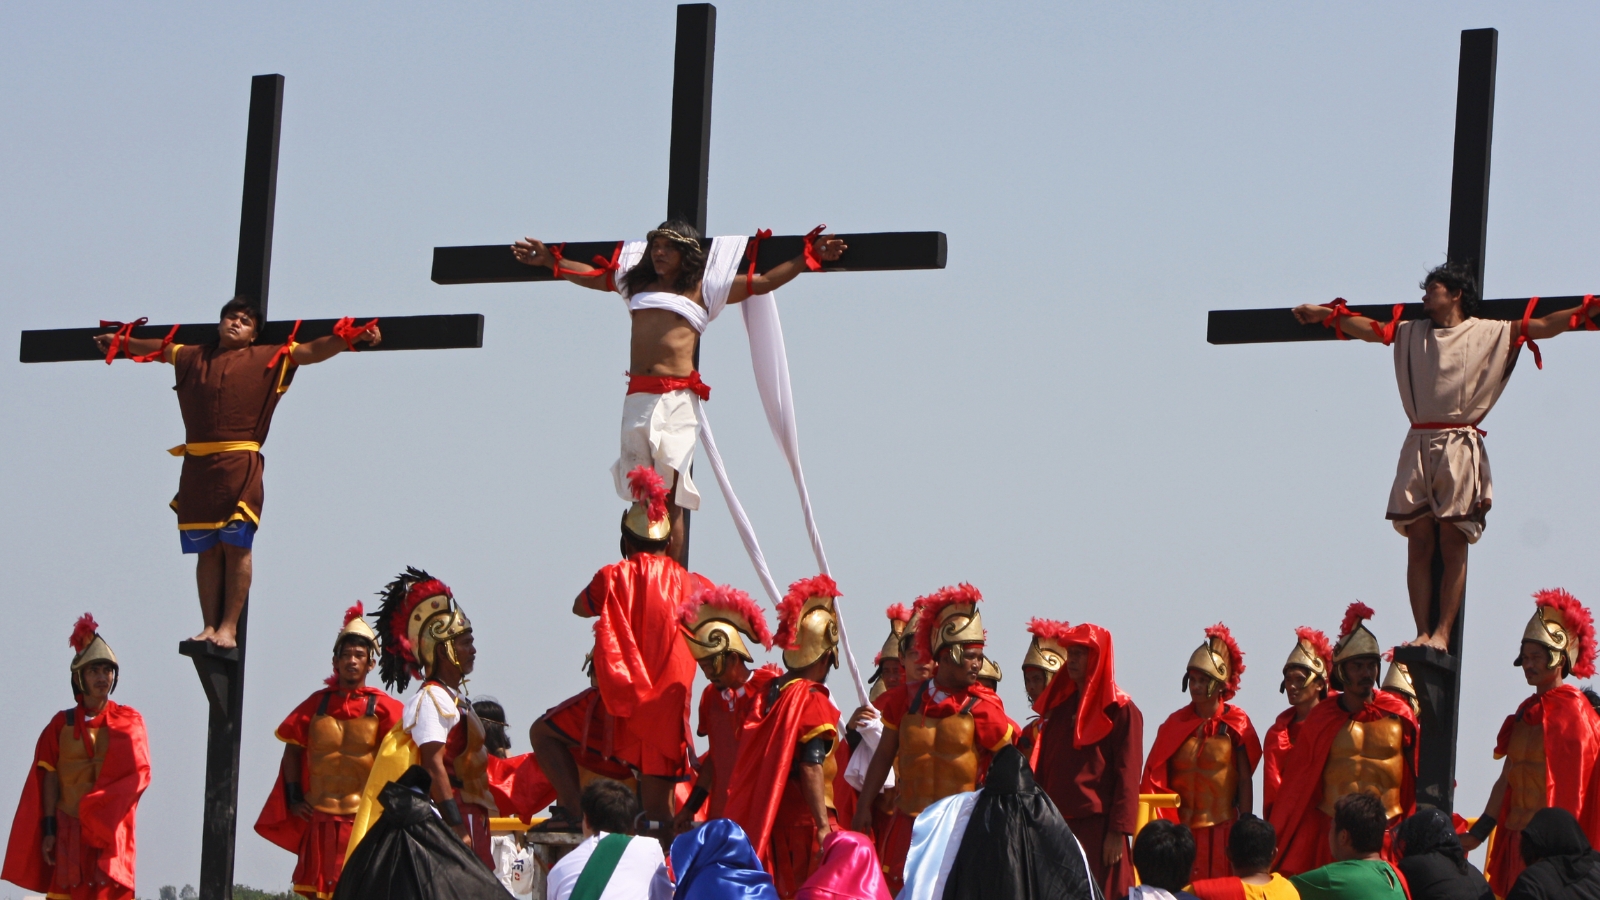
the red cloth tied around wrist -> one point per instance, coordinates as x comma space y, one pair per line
1522, 333
347, 329
751, 250
288, 346
1582, 315
813, 262
155, 354
1341, 310
606, 267
119, 341
666, 384
1386, 332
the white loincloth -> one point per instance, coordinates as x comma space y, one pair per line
658, 430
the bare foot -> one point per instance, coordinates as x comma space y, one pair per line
1439, 642
1421, 640
226, 638
207, 635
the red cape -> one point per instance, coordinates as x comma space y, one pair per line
1571, 747
1178, 728
1301, 846
276, 823
1093, 723
519, 786
106, 812
1274, 751
765, 755
642, 668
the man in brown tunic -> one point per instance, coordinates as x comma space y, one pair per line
227, 392
1451, 368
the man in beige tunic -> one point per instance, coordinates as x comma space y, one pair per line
1451, 368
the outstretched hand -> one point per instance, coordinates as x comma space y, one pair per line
530, 252
1311, 314
829, 247
371, 336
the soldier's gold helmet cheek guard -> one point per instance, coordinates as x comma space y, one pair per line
816, 634
1548, 629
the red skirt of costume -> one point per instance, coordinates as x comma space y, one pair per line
321, 854
598, 737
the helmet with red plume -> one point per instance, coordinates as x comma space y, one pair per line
716, 620
1564, 627
1314, 654
1220, 659
418, 614
89, 649
646, 520
948, 617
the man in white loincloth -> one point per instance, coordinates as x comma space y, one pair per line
1451, 368
674, 286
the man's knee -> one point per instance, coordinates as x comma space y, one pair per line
540, 732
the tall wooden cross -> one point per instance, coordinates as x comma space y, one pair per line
688, 166
1437, 675
222, 671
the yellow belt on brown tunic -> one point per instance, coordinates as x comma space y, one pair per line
206, 448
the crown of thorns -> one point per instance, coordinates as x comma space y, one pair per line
673, 236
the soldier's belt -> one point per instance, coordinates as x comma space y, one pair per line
206, 448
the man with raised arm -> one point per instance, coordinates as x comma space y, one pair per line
330, 742
1451, 368
228, 391
674, 284
1305, 682
1551, 744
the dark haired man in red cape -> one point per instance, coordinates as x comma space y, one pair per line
1361, 740
1091, 753
73, 834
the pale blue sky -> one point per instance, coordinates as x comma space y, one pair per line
1043, 418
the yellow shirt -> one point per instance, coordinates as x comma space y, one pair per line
1278, 888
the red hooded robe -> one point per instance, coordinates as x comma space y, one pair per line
1211, 842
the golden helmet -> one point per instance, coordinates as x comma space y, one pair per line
647, 518
1046, 651
89, 648
716, 620
354, 624
418, 615
1398, 681
1354, 638
808, 628
1312, 653
949, 617
899, 616
990, 671
908, 636
1220, 658
1563, 626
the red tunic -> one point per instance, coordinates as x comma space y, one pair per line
1571, 750
225, 396
95, 852
319, 844
1302, 827
770, 805
1211, 841
1274, 751
1096, 786
723, 716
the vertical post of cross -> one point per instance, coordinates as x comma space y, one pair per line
1437, 676
689, 157
222, 671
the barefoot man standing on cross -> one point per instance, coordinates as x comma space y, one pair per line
1451, 368
675, 288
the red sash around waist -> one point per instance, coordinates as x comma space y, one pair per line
1444, 426
662, 384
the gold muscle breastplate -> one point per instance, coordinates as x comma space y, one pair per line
1206, 779
1366, 756
937, 758
339, 754
76, 770
472, 765
1525, 774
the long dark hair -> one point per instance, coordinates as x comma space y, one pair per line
1457, 276
689, 274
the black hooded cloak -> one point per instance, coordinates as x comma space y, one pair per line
411, 854
1561, 864
1017, 845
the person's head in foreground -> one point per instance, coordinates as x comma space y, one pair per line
1431, 831
1252, 843
608, 806
849, 871
715, 861
1163, 854
1359, 821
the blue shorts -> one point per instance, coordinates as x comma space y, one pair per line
237, 533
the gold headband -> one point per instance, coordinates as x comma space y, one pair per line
673, 236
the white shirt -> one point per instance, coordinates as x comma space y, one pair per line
640, 873
431, 714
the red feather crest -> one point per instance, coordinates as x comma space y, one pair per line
899, 613
83, 631
422, 590
1580, 624
730, 598
791, 604
1354, 615
1049, 629
935, 603
353, 613
647, 487
1235, 658
1319, 644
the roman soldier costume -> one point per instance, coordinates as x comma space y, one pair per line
1047, 654
1091, 753
417, 626
716, 622
890, 672
1338, 752
634, 720
1199, 758
1314, 655
1551, 744
946, 737
338, 734
99, 765
797, 724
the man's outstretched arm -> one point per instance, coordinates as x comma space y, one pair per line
135, 347
1557, 322
316, 351
1354, 326
530, 252
828, 248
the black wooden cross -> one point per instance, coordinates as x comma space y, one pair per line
1436, 674
222, 671
688, 166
